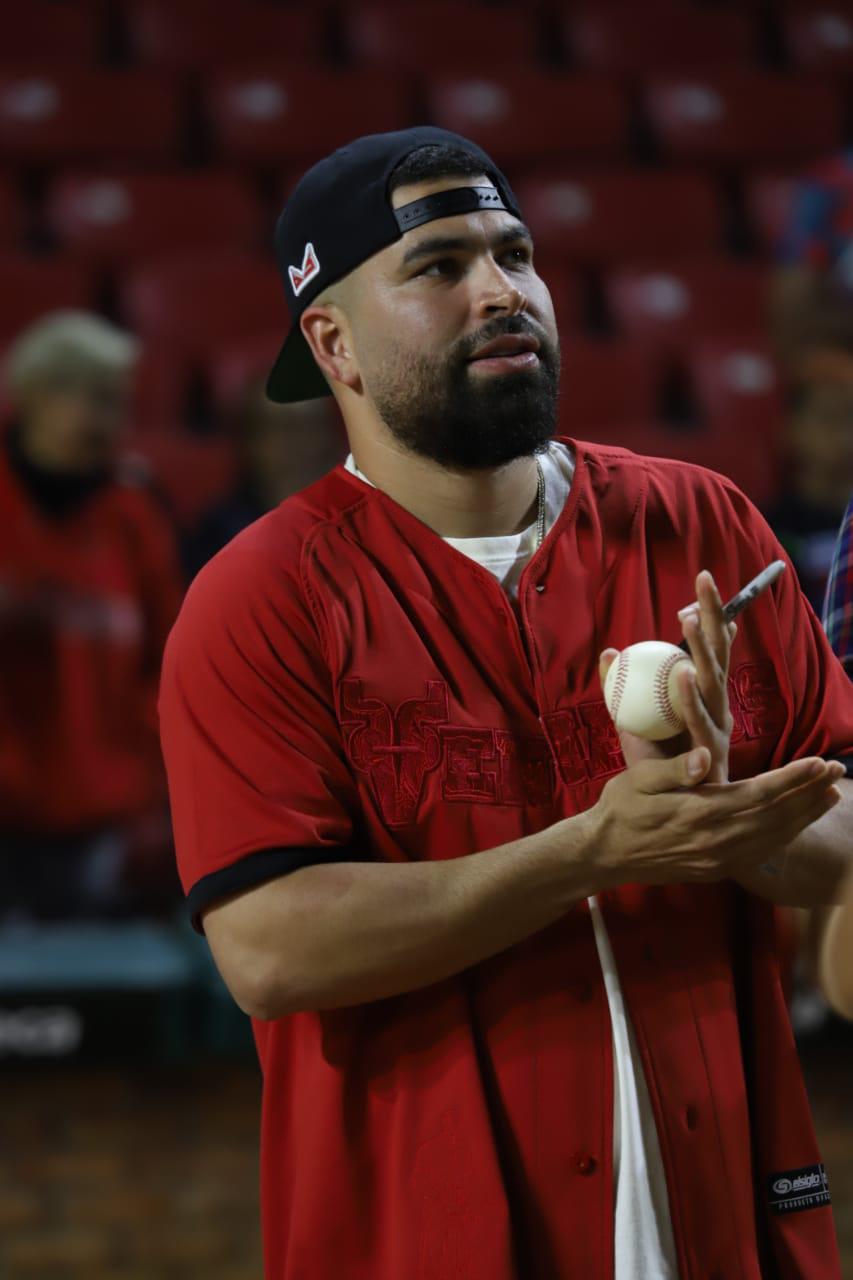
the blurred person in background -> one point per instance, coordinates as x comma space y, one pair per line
280, 449
838, 604
812, 295
819, 446
831, 930
89, 586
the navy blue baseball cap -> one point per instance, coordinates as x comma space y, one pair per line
340, 214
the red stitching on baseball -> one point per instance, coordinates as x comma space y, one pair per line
619, 685
662, 699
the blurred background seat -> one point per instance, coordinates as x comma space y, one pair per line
662, 35
120, 217
51, 116
769, 201
267, 115
193, 33
439, 36
527, 116
190, 472
737, 386
605, 383
667, 307
12, 213
819, 37
744, 117
43, 31
192, 302
583, 218
32, 286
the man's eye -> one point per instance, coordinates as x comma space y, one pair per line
518, 257
441, 267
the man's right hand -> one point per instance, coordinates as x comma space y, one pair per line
656, 824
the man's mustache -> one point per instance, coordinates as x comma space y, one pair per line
499, 328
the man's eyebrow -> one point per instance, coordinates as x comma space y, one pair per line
448, 244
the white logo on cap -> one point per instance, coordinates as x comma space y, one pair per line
299, 276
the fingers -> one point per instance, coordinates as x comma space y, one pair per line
783, 822
769, 788
697, 720
709, 638
711, 617
655, 776
607, 658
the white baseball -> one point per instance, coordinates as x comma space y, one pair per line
641, 691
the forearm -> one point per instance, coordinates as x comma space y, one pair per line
341, 934
831, 943
810, 871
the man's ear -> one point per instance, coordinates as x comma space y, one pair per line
323, 327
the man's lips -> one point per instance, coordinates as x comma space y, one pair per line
508, 353
508, 344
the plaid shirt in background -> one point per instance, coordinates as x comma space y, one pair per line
838, 603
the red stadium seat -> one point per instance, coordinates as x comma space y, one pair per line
196, 302
71, 115
197, 33
265, 114
115, 217
34, 286
769, 202
669, 306
748, 462
439, 36
567, 291
43, 31
231, 367
192, 473
620, 215
745, 117
520, 117
738, 388
656, 37
604, 383
820, 38
11, 212
160, 388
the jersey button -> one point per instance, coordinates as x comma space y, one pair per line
540, 586
585, 1163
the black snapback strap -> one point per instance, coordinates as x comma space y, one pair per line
444, 204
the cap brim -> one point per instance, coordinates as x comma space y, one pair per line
295, 375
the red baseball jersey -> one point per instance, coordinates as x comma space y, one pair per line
342, 685
86, 603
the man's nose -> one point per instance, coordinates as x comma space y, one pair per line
498, 293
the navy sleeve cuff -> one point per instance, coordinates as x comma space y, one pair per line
254, 869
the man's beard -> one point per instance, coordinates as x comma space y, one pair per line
461, 420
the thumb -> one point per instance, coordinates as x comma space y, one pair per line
605, 662
686, 770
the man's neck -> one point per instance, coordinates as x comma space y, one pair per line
455, 504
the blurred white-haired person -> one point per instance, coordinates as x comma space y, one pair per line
89, 586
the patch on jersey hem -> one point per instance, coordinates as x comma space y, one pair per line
799, 1189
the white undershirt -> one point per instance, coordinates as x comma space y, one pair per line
643, 1244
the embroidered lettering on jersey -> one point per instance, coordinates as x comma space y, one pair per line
584, 742
757, 705
492, 766
396, 749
